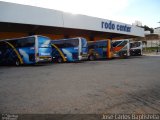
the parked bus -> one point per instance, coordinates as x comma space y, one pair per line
136, 48
69, 50
25, 50
100, 49
121, 48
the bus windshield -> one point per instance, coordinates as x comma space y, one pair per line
43, 42
102, 44
23, 42
135, 44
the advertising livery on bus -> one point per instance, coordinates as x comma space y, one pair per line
136, 48
100, 49
25, 50
70, 50
121, 48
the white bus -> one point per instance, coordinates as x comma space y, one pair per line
136, 48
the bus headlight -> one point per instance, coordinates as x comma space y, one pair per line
115, 55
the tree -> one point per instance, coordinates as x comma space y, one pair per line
146, 28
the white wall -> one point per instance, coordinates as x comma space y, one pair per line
152, 43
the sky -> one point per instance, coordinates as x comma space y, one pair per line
126, 11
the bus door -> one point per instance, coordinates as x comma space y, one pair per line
84, 48
102, 49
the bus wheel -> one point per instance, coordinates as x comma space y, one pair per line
91, 58
17, 63
140, 53
59, 60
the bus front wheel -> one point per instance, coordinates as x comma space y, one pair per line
59, 60
140, 54
17, 63
91, 58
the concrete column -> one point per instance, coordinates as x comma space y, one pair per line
109, 51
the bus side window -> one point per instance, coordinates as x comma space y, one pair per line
60, 45
116, 43
14, 43
102, 44
25, 42
91, 46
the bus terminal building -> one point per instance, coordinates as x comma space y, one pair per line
18, 20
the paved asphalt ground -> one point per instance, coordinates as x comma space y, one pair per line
110, 86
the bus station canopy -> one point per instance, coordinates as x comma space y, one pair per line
30, 19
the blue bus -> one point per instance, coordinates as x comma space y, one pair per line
100, 49
69, 50
25, 50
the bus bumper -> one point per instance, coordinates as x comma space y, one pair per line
83, 57
43, 59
